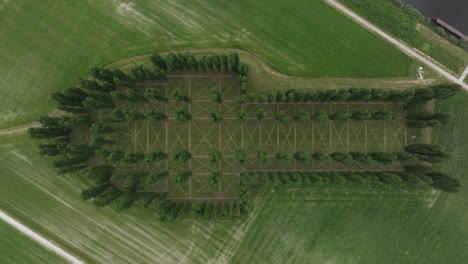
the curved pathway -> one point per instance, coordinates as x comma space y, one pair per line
18, 130
408, 50
269, 76
38, 238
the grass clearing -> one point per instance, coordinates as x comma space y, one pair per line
46, 45
18, 248
444, 43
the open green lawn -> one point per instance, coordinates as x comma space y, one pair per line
18, 248
46, 45
444, 43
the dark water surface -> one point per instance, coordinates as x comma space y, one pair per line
454, 12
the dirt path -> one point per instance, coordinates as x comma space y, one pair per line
38, 238
18, 130
408, 50
267, 76
464, 74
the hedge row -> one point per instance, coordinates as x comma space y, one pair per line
301, 179
342, 157
131, 157
188, 62
427, 119
170, 211
355, 94
320, 115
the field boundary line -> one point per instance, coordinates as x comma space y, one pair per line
365, 131
190, 136
330, 134
277, 133
219, 139
166, 143
313, 137
204, 198
38, 238
347, 133
321, 103
385, 131
295, 136
315, 170
402, 46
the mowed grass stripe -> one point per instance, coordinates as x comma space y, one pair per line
453, 137
18, 248
330, 223
81, 230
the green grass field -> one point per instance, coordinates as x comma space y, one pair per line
45, 46
17, 248
447, 45
100, 235
352, 224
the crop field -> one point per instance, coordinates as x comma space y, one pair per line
99, 235
200, 136
45, 46
17, 248
353, 224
